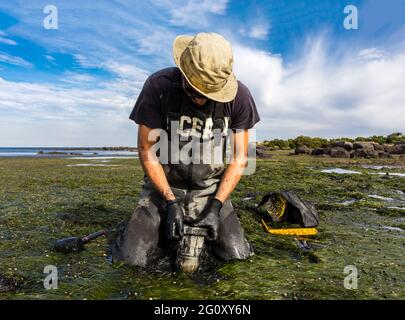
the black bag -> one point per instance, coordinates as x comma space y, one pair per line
286, 206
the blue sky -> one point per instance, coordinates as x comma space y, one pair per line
75, 86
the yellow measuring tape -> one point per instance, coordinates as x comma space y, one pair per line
291, 232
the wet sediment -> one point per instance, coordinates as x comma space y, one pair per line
42, 200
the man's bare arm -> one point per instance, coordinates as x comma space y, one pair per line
234, 170
151, 164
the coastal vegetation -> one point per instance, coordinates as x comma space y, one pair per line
362, 224
316, 142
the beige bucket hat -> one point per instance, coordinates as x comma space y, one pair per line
206, 61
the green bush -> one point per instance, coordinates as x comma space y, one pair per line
277, 144
311, 142
395, 138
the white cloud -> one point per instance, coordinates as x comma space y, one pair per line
320, 95
49, 58
316, 95
17, 61
258, 31
39, 101
157, 43
77, 78
137, 32
8, 41
193, 13
371, 54
5, 40
88, 113
85, 62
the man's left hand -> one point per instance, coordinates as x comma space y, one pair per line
210, 219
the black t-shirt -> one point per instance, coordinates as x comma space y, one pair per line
148, 109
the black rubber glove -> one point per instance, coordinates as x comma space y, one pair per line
175, 215
210, 219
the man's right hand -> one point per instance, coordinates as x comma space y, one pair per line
174, 227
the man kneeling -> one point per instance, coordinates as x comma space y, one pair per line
188, 104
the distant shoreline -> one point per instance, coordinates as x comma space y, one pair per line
68, 152
76, 148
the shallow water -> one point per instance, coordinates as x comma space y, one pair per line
379, 167
347, 171
33, 152
340, 171
397, 208
390, 174
103, 157
392, 228
375, 196
348, 202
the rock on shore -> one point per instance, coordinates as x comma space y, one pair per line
359, 149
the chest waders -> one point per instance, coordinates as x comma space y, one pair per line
196, 148
197, 140
192, 180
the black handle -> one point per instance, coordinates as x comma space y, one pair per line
88, 238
